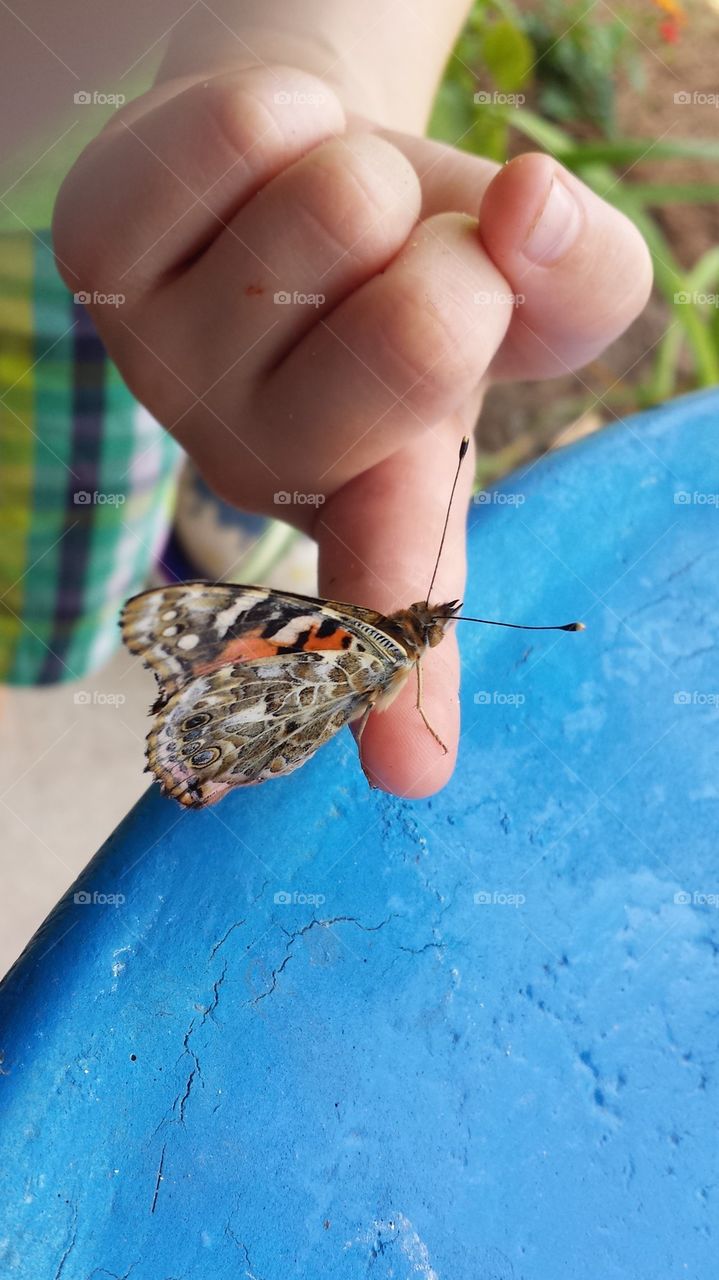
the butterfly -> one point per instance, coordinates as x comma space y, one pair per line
252, 681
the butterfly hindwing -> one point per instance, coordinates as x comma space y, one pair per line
243, 724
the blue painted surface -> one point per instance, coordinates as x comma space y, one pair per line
398, 1080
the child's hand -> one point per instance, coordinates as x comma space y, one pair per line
208, 202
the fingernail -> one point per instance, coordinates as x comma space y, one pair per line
554, 231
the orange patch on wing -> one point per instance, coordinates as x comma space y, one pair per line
321, 643
242, 649
252, 645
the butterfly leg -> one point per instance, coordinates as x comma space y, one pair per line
358, 737
420, 708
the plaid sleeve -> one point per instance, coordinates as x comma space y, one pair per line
87, 479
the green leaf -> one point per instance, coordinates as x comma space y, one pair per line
659, 193
632, 150
706, 270
554, 140
488, 138
452, 114
508, 55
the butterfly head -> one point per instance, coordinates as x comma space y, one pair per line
432, 620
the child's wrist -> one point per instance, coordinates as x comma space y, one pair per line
387, 71
277, 50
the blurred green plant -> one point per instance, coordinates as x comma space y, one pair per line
550, 76
577, 72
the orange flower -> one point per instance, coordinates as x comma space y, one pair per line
673, 9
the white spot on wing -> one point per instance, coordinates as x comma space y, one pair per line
188, 642
226, 617
294, 628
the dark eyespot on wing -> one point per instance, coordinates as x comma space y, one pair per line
198, 720
208, 755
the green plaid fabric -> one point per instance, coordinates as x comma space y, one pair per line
87, 477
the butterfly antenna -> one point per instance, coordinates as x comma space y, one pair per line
462, 454
521, 626
489, 622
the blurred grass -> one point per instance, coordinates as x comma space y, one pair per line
548, 75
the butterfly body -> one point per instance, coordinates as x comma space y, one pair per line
253, 681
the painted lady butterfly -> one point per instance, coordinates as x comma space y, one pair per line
253, 681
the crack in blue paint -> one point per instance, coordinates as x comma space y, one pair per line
158, 1179
70, 1246
299, 933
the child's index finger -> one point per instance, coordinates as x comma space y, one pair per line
379, 538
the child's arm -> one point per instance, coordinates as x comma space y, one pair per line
215, 196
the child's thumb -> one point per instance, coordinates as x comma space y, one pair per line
579, 269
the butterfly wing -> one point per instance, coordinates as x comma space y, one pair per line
245, 723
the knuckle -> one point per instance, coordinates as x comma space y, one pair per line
254, 117
237, 117
353, 206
